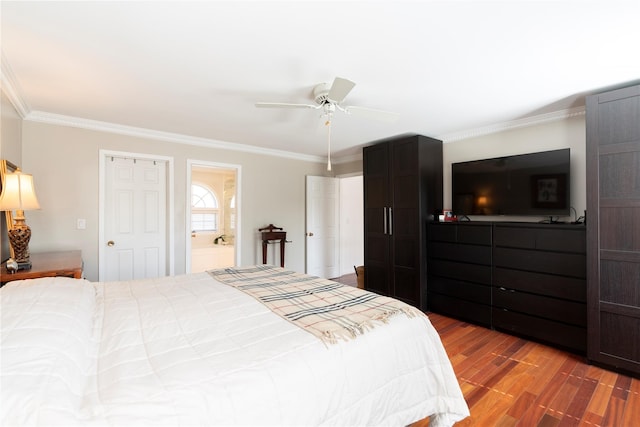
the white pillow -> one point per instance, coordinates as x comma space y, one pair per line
46, 348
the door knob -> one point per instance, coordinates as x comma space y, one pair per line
111, 243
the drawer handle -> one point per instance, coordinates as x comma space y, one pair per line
502, 288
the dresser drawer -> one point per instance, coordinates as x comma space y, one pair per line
570, 288
462, 290
461, 253
574, 313
556, 333
460, 309
441, 232
546, 239
460, 271
574, 265
562, 240
474, 234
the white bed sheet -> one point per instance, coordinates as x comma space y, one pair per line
187, 350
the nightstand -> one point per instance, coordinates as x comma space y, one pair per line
47, 264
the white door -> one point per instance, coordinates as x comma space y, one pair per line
135, 224
323, 219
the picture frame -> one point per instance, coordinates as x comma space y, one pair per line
549, 191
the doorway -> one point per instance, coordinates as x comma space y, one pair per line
334, 225
212, 216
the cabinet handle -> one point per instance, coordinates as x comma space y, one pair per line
390, 217
384, 219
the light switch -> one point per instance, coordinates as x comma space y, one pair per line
81, 224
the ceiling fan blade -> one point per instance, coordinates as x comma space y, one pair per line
370, 113
340, 89
284, 105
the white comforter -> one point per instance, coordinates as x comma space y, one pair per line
187, 350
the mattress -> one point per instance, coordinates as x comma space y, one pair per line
189, 350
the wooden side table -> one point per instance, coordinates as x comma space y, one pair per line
47, 264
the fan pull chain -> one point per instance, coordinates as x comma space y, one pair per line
328, 123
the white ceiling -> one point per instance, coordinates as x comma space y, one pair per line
195, 69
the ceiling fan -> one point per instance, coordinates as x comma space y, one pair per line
329, 99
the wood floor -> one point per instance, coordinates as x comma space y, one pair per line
509, 381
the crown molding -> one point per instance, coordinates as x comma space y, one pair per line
57, 119
76, 122
513, 124
9, 85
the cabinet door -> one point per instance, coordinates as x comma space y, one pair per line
376, 204
613, 231
405, 229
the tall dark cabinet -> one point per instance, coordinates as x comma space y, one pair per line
402, 189
613, 229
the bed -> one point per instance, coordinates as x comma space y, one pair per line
254, 345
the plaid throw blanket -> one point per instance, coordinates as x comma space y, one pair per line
327, 309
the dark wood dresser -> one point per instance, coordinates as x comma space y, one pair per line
528, 279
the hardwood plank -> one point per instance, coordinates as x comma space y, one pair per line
522, 403
602, 394
579, 403
621, 389
550, 392
614, 414
632, 408
506, 421
591, 420
548, 421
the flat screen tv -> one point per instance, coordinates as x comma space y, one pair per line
534, 184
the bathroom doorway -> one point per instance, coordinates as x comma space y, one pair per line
213, 216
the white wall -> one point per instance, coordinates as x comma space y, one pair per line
10, 132
64, 162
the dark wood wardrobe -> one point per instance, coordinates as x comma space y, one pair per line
613, 229
402, 189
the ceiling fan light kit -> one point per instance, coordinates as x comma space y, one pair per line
329, 99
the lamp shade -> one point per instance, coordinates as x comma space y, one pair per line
18, 193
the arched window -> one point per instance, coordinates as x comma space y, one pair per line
204, 209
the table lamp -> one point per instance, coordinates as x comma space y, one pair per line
19, 194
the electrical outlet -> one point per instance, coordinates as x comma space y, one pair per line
81, 223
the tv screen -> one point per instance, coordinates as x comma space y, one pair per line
535, 184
